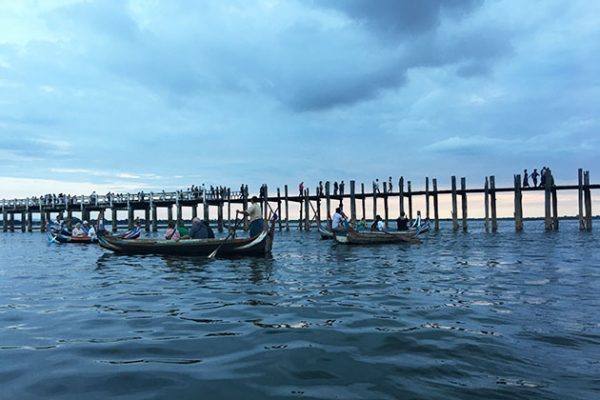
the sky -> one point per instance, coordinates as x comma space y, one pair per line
123, 96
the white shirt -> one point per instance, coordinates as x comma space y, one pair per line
380, 226
254, 212
92, 232
77, 232
336, 221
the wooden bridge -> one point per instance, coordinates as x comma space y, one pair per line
310, 204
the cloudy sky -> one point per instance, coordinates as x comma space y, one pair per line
129, 95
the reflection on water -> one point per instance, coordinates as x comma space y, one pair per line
461, 316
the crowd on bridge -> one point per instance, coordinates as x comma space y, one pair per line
544, 172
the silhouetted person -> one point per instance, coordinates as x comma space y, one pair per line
402, 222
341, 188
534, 177
525, 179
543, 177
335, 188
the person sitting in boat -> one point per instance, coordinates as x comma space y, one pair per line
89, 230
425, 226
339, 220
417, 222
172, 233
254, 213
199, 230
183, 231
77, 231
378, 225
402, 222
362, 225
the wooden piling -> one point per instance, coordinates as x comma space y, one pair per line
493, 203
220, 224
328, 203
11, 222
588, 201
436, 212
463, 201
279, 209
364, 200
353, 201
129, 215
206, 214
386, 213
29, 221
147, 219
410, 200
245, 205
486, 205
5, 217
287, 216
426, 197
547, 200
307, 209
113, 221
42, 220
301, 220
518, 203
401, 194
266, 210
318, 201
154, 212
554, 206
580, 199
374, 201
454, 205
23, 223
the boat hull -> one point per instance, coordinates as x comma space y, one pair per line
259, 245
353, 237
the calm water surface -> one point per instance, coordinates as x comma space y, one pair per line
462, 316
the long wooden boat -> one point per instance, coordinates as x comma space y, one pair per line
62, 238
354, 237
258, 245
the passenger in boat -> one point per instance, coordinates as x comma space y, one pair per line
172, 233
77, 231
362, 225
339, 220
417, 222
89, 230
199, 230
378, 225
402, 222
254, 213
183, 231
425, 226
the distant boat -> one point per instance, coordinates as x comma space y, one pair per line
354, 237
62, 238
258, 245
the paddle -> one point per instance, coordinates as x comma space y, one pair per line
214, 253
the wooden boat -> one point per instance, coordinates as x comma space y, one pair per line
62, 238
258, 245
325, 233
354, 237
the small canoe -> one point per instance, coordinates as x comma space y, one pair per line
258, 245
353, 237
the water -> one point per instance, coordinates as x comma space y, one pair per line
462, 316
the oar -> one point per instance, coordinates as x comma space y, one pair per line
214, 253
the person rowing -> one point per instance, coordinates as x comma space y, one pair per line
339, 220
254, 214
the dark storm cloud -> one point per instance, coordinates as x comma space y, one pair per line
402, 17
